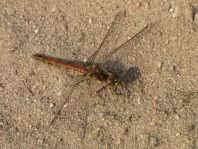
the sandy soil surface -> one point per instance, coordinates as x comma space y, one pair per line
158, 111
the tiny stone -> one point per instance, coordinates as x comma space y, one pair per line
129, 37
177, 134
176, 13
40, 140
36, 31
146, 5
196, 18
59, 93
151, 123
90, 21
138, 4
138, 100
159, 64
30, 126
167, 42
8, 23
176, 116
191, 127
85, 60
166, 114
52, 105
118, 141
53, 9
171, 10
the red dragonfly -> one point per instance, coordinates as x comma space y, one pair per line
93, 68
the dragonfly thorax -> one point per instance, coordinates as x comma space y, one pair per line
103, 75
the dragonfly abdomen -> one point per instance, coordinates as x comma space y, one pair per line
59, 62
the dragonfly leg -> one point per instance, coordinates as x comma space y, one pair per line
99, 90
76, 80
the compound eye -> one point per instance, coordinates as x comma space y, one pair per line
115, 79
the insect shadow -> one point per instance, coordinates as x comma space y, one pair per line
126, 76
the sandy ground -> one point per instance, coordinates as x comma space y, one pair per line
160, 109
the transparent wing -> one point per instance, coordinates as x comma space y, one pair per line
129, 44
68, 95
110, 39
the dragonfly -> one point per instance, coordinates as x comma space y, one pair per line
94, 67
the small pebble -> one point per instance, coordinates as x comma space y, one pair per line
36, 31
53, 9
52, 105
159, 65
137, 4
85, 60
146, 5
102, 119
177, 9
196, 18
43, 18
191, 127
138, 100
59, 93
40, 140
177, 117
171, 10
178, 134
90, 21
118, 141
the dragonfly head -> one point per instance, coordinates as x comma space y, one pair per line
113, 79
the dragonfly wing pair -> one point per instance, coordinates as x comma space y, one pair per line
107, 47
